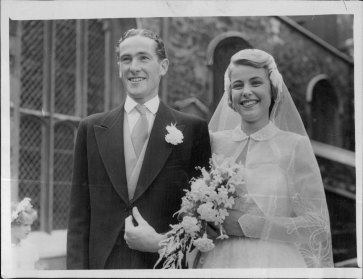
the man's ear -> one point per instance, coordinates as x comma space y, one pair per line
164, 65
119, 69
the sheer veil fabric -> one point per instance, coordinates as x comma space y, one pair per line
284, 113
306, 224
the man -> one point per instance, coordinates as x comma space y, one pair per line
128, 166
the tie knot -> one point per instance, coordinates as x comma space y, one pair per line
141, 109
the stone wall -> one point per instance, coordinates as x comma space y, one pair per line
299, 59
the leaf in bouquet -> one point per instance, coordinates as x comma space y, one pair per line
222, 233
223, 213
230, 201
205, 174
170, 262
186, 206
180, 259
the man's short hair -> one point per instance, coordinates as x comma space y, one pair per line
160, 49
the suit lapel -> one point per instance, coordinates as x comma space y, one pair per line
157, 151
110, 140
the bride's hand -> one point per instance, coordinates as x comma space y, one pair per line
212, 231
231, 225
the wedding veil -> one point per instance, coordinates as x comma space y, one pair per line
284, 113
308, 228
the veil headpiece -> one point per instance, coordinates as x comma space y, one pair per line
283, 114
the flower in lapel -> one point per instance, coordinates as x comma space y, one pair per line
174, 135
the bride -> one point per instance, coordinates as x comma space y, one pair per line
280, 218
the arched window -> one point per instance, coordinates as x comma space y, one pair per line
219, 54
324, 111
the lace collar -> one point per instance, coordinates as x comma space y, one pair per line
265, 133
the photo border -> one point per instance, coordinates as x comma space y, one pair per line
44, 10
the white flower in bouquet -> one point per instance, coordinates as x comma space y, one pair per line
190, 225
198, 185
204, 244
186, 206
208, 200
207, 212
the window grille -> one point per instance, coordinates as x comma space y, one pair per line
96, 66
56, 77
65, 67
31, 80
30, 163
63, 152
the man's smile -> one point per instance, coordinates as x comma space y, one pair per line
136, 79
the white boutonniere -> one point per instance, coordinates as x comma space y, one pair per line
174, 135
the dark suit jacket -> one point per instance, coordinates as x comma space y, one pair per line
99, 198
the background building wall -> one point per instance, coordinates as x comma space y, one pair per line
299, 59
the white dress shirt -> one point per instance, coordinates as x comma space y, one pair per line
133, 115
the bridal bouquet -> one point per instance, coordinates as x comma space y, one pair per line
207, 201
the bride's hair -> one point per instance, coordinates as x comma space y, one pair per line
22, 212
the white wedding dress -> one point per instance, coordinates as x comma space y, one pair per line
282, 203
24, 256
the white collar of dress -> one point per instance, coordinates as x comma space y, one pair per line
265, 133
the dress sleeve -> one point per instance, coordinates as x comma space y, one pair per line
308, 227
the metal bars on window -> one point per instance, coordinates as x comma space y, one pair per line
62, 79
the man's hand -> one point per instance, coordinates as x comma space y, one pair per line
141, 237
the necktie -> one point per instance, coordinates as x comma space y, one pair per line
140, 131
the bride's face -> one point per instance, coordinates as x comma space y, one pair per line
251, 94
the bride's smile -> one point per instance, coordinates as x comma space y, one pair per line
251, 95
249, 103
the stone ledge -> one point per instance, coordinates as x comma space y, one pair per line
347, 263
50, 245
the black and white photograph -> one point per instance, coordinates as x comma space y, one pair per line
169, 139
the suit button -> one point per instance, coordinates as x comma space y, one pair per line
128, 208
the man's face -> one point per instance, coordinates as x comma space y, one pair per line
140, 68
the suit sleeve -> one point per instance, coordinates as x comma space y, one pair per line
79, 213
201, 150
